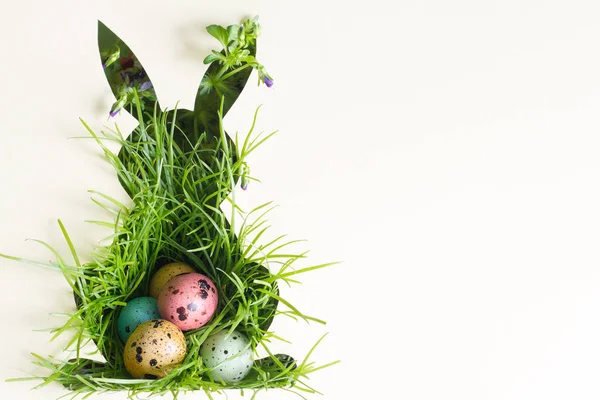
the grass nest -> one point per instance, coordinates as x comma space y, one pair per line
177, 187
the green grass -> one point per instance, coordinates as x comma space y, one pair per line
175, 215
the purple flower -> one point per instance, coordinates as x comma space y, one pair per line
124, 98
268, 81
145, 86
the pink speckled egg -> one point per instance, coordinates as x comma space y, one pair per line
188, 301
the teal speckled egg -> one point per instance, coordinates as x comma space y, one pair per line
136, 312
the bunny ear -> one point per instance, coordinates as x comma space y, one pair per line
124, 73
208, 97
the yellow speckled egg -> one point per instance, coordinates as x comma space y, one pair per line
165, 273
153, 349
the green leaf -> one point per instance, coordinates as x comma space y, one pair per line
232, 45
219, 33
210, 58
233, 32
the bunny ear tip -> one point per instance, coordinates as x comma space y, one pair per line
103, 28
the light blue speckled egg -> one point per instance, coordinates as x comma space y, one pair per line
229, 356
136, 312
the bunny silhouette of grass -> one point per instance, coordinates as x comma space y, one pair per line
175, 222
179, 166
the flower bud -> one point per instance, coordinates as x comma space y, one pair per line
245, 173
119, 104
115, 53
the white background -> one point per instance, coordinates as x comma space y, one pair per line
445, 151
